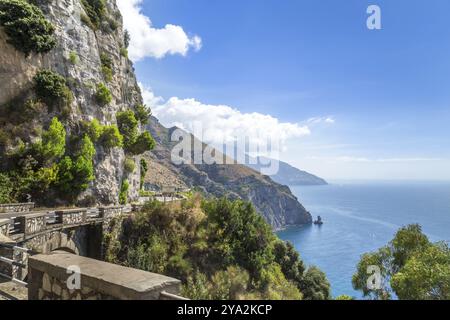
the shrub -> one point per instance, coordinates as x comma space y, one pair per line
107, 65
83, 168
52, 89
144, 143
111, 137
53, 142
130, 165
26, 27
142, 113
124, 52
65, 176
123, 195
96, 10
128, 127
93, 129
73, 57
103, 95
6, 189
144, 169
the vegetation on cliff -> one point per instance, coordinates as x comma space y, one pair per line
411, 267
26, 27
220, 249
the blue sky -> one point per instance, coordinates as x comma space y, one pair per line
386, 91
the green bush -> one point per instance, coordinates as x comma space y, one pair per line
144, 168
103, 95
96, 11
73, 57
130, 165
144, 143
142, 113
107, 65
26, 27
134, 143
111, 137
52, 145
220, 249
128, 127
123, 195
6, 189
93, 129
52, 89
124, 52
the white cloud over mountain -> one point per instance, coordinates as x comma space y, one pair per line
148, 41
221, 123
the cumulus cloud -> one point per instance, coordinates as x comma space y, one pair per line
148, 41
221, 123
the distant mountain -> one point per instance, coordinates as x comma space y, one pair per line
289, 175
273, 201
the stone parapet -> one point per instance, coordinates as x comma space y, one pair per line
48, 275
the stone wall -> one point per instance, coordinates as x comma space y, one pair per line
16, 207
49, 277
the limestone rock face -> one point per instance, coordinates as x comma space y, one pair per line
74, 37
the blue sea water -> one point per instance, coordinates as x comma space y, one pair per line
361, 217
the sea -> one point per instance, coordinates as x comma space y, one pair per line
362, 216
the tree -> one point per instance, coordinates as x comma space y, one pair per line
144, 143
142, 113
410, 266
315, 285
26, 27
103, 95
425, 275
128, 127
53, 142
52, 89
6, 189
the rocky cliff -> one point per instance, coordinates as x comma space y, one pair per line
275, 202
80, 45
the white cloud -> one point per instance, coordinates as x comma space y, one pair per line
221, 123
148, 41
317, 120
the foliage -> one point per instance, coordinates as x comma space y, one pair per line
52, 145
220, 249
108, 135
74, 175
6, 189
144, 168
26, 27
111, 137
107, 65
142, 113
130, 165
344, 297
144, 143
411, 267
96, 11
124, 52
425, 275
103, 95
73, 57
93, 129
128, 127
315, 285
52, 89
123, 195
